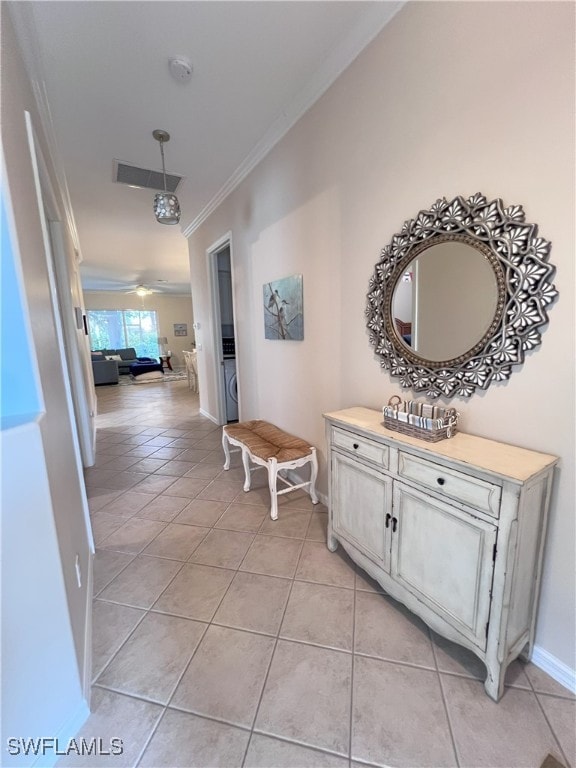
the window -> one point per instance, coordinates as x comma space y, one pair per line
120, 328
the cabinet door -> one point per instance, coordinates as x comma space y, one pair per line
361, 499
444, 557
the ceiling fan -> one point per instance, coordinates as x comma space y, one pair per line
143, 290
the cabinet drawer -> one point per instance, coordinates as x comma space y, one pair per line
452, 484
362, 447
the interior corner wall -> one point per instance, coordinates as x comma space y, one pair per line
450, 99
170, 310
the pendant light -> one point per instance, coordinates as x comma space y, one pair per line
166, 205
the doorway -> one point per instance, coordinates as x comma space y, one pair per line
224, 329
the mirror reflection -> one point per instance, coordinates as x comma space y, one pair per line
445, 301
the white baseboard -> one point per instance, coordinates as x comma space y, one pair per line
202, 412
555, 668
295, 477
67, 732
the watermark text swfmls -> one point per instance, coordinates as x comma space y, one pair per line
45, 745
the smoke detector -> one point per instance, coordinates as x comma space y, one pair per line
180, 68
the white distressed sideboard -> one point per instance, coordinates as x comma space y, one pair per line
454, 530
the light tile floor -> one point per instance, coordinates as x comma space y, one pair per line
222, 638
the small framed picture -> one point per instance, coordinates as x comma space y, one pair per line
180, 329
283, 309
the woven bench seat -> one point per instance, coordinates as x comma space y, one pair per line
269, 446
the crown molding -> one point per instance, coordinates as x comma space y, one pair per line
341, 56
22, 15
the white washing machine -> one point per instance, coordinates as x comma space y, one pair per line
231, 389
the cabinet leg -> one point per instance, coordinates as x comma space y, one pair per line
526, 653
331, 541
494, 683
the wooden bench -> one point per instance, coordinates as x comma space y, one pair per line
268, 446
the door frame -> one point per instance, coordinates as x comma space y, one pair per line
52, 235
218, 362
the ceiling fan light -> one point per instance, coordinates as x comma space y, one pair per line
166, 208
141, 290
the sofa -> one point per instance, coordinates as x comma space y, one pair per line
104, 371
123, 357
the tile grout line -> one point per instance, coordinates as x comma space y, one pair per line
353, 649
556, 739
208, 625
257, 708
124, 493
185, 669
445, 702
294, 640
135, 515
186, 666
102, 544
151, 735
97, 594
147, 611
298, 743
397, 662
122, 692
210, 718
107, 664
154, 728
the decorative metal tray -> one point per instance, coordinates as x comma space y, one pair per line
427, 422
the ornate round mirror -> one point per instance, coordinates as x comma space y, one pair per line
445, 300
458, 295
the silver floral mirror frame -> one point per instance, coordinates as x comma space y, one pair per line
519, 259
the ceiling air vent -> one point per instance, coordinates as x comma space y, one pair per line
124, 173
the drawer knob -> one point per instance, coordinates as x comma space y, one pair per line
355, 446
440, 480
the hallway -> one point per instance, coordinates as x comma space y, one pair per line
222, 638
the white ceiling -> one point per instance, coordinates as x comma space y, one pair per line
102, 70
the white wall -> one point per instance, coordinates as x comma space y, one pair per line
45, 613
451, 98
41, 688
170, 309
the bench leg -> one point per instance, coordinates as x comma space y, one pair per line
272, 475
226, 449
246, 462
313, 476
